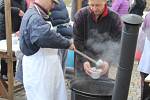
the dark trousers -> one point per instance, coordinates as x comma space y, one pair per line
145, 88
4, 67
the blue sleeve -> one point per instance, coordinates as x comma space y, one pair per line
42, 35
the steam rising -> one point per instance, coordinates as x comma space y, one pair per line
104, 47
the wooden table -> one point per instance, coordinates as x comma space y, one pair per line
4, 55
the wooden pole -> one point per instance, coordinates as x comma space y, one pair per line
3, 89
8, 25
79, 4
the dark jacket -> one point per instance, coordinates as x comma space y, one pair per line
138, 7
2, 27
74, 7
87, 32
16, 19
36, 33
60, 16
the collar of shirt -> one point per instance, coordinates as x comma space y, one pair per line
41, 11
105, 13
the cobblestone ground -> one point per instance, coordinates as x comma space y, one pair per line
134, 90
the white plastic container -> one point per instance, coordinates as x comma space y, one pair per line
96, 73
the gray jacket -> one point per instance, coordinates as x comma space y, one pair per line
36, 33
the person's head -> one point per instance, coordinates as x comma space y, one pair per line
47, 4
97, 6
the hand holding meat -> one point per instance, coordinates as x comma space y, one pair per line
87, 67
103, 68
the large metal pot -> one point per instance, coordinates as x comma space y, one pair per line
89, 89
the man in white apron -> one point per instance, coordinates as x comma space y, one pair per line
42, 73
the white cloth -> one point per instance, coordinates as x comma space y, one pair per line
43, 77
15, 44
141, 40
144, 65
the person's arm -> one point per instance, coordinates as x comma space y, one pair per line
14, 10
42, 35
17, 11
147, 25
116, 4
79, 34
60, 18
116, 28
137, 7
79, 38
2, 6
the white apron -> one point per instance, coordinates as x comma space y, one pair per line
43, 77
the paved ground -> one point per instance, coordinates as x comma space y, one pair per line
134, 91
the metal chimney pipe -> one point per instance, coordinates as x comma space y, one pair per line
129, 39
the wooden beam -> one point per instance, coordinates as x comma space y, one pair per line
79, 4
3, 89
9, 47
3, 54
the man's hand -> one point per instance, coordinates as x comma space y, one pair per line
72, 46
87, 67
21, 13
17, 33
105, 68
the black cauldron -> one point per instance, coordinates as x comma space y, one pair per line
89, 89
